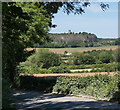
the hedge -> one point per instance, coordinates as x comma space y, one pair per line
100, 86
43, 84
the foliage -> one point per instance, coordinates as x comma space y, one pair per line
81, 58
44, 71
105, 57
116, 55
43, 58
65, 52
23, 25
44, 84
6, 95
110, 67
116, 96
77, 58
102, 86
117, 41
60, 69
88, 59
47, 59
76, 40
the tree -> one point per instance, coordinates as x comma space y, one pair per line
77, 58
88, 59
23, 25
117, 41
81, 58
116, 55
43, 58
47, 59
105, 57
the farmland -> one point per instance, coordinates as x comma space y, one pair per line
71, 74
66, 62
80, 49
82, 60
86, 71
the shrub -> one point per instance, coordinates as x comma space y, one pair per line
60, 69
48, 59
102, 86
82, 58
88, 59
116, 55
41, 70
105, 57
41, 59
37, 83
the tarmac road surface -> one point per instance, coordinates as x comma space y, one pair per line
32, 100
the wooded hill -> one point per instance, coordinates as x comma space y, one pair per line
71, 39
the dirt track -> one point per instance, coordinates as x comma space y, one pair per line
70, 74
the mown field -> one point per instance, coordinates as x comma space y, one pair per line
80, 49
71, 74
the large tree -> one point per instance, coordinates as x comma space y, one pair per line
23, 25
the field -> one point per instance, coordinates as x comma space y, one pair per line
71, 74
80, 49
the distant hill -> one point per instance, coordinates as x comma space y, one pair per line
81, 39
70, 38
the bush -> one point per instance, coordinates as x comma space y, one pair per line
116, 55
105, 57
116, 96
44, 84
41, 59
102, 86
60, 69
44, 70
47, 59
82, 58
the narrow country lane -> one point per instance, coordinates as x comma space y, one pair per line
32, 100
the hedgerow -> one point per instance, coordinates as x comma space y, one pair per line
101, 86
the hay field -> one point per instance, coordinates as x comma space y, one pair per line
80, 49
70, 74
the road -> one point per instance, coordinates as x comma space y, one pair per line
32, 100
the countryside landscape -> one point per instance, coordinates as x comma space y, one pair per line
49, 70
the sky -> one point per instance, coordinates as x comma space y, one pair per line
94, 20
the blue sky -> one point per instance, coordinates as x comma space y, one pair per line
103, 24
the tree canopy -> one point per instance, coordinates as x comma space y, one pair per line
23, 25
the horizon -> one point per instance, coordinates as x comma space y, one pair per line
87, 32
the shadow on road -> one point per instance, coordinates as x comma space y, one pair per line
30, 100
